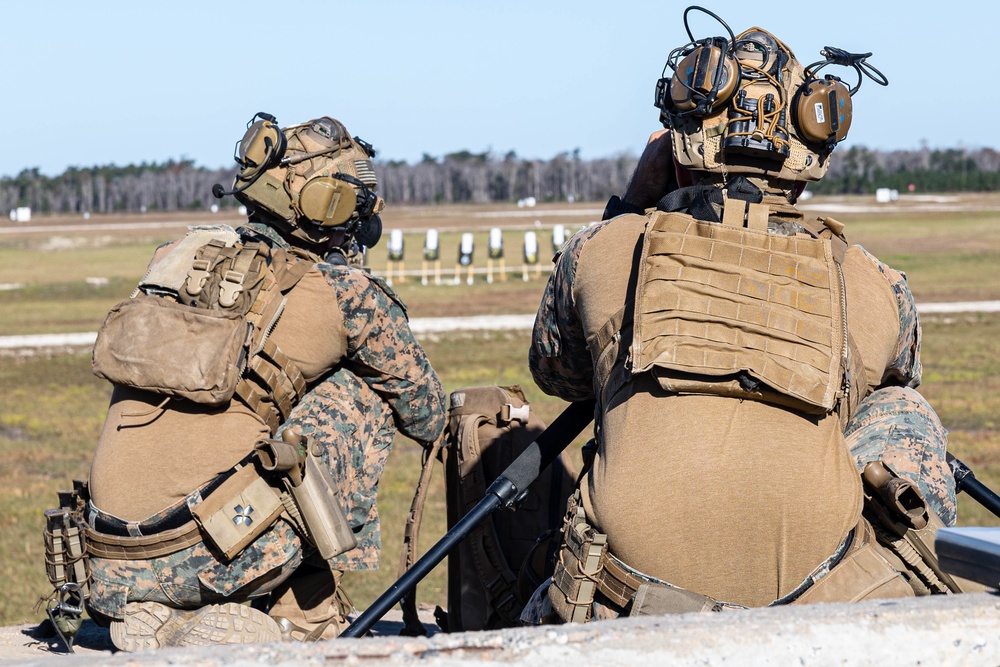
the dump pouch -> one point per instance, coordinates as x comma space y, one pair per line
317, 498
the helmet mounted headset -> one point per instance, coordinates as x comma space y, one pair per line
744, 104
312, 180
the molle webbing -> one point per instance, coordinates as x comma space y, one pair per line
117, 547
724, 304
272, 386
240, 268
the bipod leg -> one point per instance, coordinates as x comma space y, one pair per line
965, 480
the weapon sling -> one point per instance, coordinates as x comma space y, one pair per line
504, 492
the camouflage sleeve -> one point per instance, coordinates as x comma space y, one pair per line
905, 369
382, 351
558, 357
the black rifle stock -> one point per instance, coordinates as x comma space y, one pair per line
503, 492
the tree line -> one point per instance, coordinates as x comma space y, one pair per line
476, 178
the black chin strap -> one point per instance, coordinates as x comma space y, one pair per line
697, 200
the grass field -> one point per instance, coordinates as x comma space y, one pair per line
53, 407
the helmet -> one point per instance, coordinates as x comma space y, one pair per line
311, 180
743, 104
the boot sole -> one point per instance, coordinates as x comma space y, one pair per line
137, 631
228, 623
151, 625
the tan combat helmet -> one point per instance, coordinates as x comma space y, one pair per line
743, 104
311, 180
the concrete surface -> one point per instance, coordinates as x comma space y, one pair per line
938, 631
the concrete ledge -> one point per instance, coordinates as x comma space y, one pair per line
941, 630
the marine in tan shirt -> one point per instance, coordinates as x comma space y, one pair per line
746, 360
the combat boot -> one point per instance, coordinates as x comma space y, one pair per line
311, 605
153, 625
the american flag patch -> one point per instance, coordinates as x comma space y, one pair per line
366, 172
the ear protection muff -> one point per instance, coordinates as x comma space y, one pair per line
333, 201
327, 201
822, 111
705, 79
261, 148
822, 108
706, 75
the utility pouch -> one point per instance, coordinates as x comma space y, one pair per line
574, 581
237, 512
316, 495
65, 542
905, 527
172, 349
862, 574
67, 564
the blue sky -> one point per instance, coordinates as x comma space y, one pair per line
127, 82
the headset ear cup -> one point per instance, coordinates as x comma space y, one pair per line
705, 80
261, 148
823, 111
328, 202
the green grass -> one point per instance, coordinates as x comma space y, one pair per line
75, 261
947, 257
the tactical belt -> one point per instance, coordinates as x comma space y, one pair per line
621, 584
109, 537
107, 524
586, 566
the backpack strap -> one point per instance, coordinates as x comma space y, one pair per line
411, 533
